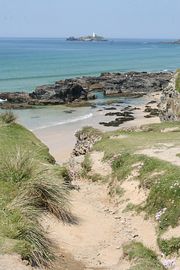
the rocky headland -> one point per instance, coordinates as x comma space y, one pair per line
82, 89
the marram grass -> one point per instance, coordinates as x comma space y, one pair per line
29, 187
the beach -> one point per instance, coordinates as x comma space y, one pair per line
61, 138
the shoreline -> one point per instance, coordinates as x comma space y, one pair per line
61, 139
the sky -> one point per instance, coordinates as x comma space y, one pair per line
110, 18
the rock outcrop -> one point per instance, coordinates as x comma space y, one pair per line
78, 89
86, 138
169, 106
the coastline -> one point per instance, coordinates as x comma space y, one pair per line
61, 140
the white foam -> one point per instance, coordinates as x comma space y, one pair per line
2, 100
80, 118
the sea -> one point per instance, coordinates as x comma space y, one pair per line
26, 63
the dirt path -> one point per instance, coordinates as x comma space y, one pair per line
167, 152
103, 227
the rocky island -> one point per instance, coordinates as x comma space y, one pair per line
92, 37
82, 89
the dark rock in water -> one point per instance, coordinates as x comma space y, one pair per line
93, 106
65, 91
118, 121
69, 111
122, 114
15, 97
131, 84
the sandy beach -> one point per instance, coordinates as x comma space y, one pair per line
61, 138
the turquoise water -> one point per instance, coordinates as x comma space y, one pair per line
27, 63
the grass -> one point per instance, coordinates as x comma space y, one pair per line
141, 257
15, 135
178, 80
169, 247
96, 177
150, 135
7, 117
86, 166
30, 185
17, 166
160, 178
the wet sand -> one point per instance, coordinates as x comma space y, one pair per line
61, 139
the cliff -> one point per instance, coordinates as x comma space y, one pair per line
170, 100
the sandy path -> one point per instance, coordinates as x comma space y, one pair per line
103, 226
12, 262
103, 229
165, 152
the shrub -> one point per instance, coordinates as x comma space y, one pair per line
49, 197
169, 246
7, 117
18, 166
27, 191
144, 258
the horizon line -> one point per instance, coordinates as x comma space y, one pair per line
46, 37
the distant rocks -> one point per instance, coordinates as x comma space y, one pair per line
132, 84
123, 116
152, 112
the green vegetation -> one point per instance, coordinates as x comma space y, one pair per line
7, 118
169, 246
178, 80
96, 177
15, 136
86, 170
29, 186
160, 178
149, 136
142, 257
86, 165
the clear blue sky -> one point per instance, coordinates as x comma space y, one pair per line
110, 18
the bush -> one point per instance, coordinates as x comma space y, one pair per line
7, 117
18, 166
28, 189
49, 197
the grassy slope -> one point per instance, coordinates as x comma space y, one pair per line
15, 135
27, 189
178, 80
160, 177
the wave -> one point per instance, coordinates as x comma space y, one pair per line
80, 118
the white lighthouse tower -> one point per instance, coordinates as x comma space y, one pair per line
94, 35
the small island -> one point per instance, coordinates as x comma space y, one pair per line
92, 37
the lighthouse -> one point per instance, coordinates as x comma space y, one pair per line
94, 35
